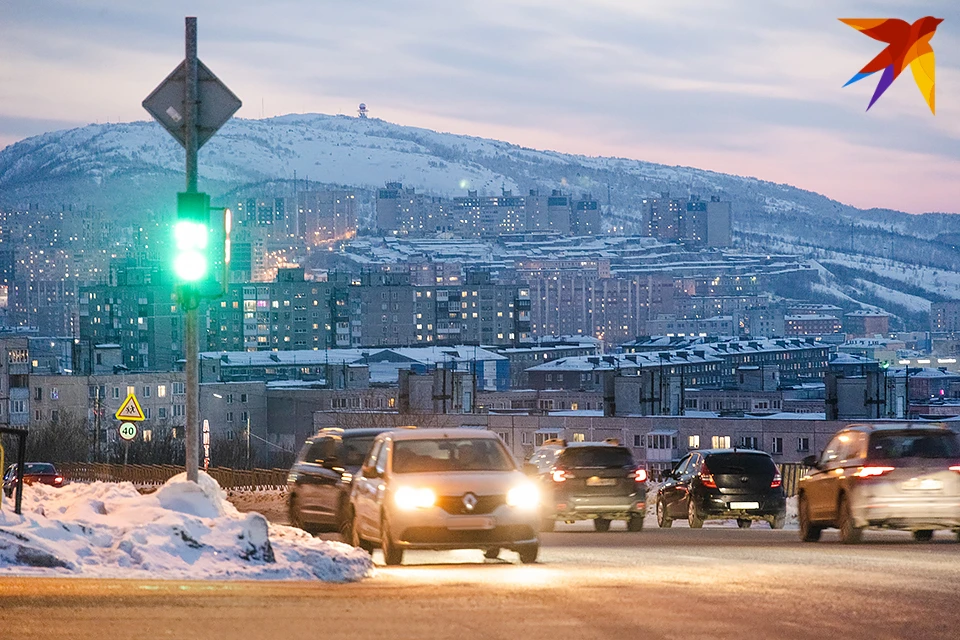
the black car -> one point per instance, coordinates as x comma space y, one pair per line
596, 481
721, 484
318, 485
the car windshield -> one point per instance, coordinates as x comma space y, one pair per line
742, 463
447, 454
598, 457
353, 451
890, 446
39, 468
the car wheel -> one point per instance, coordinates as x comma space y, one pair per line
924, 535
529, 552
601, 524
808, 532
635, 523
694, 519
392, 554
743, 523
345, 526
295, 513
777, 521
663, 520
849, 532
547, 524
492, 554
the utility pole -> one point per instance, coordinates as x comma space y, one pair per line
192, 114
191, 319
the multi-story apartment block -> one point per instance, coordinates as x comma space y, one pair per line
811, 324
861, 324
135, 309
326, 215
14, 381
691, 220
945, 317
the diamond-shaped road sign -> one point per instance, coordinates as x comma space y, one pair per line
216, 103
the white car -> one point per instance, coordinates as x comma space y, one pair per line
444, 489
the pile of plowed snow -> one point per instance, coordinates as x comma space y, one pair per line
185, 530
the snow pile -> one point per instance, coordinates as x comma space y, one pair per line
183, 531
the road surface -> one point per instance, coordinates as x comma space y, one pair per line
678, 583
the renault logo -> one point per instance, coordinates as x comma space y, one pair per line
469, 501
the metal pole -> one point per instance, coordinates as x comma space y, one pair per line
191, 320
21, 456
248, 440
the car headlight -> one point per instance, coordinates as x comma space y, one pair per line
524, 496
410, 498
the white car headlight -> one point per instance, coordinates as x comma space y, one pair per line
410, 498
524, 496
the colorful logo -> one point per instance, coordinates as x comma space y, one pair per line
907, 44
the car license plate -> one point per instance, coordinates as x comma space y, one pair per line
744, 505
601, 482
927, 484
474, 523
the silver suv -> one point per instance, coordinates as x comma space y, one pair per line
893, 476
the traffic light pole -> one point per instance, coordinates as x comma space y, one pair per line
191, 320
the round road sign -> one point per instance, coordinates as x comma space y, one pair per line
128, 431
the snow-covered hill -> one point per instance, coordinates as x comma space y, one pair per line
126, 169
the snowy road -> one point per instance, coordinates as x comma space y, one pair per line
679, 583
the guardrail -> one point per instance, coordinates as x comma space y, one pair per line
147, 475
791, 472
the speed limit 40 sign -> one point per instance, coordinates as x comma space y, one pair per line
128, 431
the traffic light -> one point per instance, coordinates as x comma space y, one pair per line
192, 236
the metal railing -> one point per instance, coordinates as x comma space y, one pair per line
791, 472
147, 475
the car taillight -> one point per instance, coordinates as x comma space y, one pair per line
777, 481
867, 472
956, 468
559, 475
58, 480
639, 475
706, 478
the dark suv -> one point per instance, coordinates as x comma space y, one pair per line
596, 481
319, 481
720, 484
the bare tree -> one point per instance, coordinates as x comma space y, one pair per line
63, 439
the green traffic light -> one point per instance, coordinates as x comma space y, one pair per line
190, 261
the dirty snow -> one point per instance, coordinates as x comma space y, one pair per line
182, 531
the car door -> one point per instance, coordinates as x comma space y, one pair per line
327, 479
668, 491
315, 480
367, 490
821, 487
685, 483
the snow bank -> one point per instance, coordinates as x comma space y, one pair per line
183, 531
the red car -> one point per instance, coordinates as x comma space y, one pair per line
33, 472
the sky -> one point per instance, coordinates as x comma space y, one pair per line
747, 87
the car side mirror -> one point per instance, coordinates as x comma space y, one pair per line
811, 461
530, 469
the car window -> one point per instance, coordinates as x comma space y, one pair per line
374, 452
681, 467
855, 448
740, 463
353, 450
322, 449
381, 463
891, 446
693, 466
832, 452
38, 468
469, 454
600, 457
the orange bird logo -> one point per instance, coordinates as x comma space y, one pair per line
907, 44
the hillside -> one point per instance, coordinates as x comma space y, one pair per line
134, 167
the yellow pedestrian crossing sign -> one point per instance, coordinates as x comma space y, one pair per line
130, 409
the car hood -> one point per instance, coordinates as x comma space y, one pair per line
481, 483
